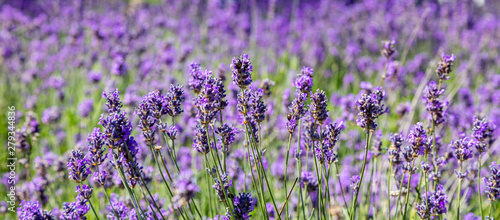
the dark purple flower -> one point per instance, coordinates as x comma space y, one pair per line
84, 191
113, 102
242, 71
197, 78
388, 47
444, 67
434, 106
296, 111
355, 183
223, 185
95, 76
119, 66
332, 134
243, 205
174, 100
370, 107
318, 106
100, 177
74, 210
96, 141
32, 211
433, 204
304, 81
309, 181
482, 130
266, 87
394, 150
201, 143
227, 135
462, 148
78, 166
172, 132
257, 107
493, 182
417, 138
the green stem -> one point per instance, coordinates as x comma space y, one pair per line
286, 171
389, 174
459, 191
408, 189
479, 187
355, 201
93, 210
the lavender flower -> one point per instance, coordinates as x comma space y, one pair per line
434, 106
201, 143
51, 115
74, 210
444, 67
257, 107
227, 135
96, 141
223, 185
32, 210
309, 181
243, 205
370, 107
197, 78
113, 102
433, 204
296, 111
174, 100
332, 133
266, 87
318, 106
482, 130
388, 48
493, 182
242, 71
394, 150
355, 183
100, 177
78, 166
172, 132
84, 191
418, 140
462, 148
85, 107
304, 81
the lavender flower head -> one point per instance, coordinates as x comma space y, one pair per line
32, 211
388, 48
242, 70
222, 187
417, 138
296, 111
444, 67
462, 148
257, 107
370, 107
197, 78
84, 191
78, 166
113, 102
332, 133
434, 106
227, 135
318, 106
304, 82
394, 150
243, 205
433, 204
482, 130
493, 182
96, 141
174, 100
201, 143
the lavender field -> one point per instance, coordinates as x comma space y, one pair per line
251, 109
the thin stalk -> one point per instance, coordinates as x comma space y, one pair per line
259, 195
399, 195
408, 189
459, 191
342, 190
264, 174
125, 183
479, 187
208, 186
320, 172
107, 197
389, 174
93, 210
319, 183
286, 171
370, 186
299, 167
355, 201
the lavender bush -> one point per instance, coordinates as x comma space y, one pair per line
211, 109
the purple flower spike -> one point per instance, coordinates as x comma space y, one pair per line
433, 204
85, 191
32, 210
242, 71
78, 166
493, 182
388, 47
462, 148
370, 107
96, 149
318, 106
304, 81
243, 205
444, 67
